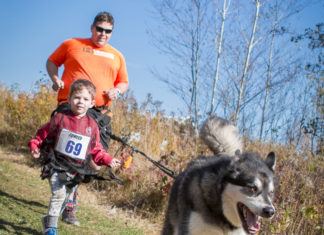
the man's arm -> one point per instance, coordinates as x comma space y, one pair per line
52, 71
123, 87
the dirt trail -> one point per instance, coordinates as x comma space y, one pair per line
86, 196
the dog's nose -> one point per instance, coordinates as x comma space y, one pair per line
268, 212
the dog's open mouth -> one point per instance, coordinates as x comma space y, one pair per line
249, 220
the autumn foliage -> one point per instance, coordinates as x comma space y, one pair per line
170, 141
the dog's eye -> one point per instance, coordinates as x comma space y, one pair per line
271, 194
253, 189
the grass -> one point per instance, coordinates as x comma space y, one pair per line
24, 199
142, 201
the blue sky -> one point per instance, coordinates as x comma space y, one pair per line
31, 30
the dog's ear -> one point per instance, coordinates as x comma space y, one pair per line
271, 161
234, 170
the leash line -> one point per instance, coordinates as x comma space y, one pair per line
157, 164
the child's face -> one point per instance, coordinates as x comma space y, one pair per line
80, 102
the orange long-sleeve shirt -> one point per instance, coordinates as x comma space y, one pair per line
105, 67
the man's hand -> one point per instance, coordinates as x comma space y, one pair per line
113, 93
52, 70
58, 84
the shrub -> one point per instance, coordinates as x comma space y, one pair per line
299, 197
23, 113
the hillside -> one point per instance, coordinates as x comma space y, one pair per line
24, 199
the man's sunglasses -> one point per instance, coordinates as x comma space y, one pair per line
100, 30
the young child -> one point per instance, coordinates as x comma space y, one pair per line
73, 136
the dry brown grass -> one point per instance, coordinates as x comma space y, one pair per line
29, 173
299, 199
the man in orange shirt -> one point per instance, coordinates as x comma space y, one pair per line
95, 60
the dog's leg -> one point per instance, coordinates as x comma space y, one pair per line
183, 228
167, 228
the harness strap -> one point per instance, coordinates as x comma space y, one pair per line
105, 111
111, 177
157, 164
63, 165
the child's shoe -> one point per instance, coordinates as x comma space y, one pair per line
50, 231
68, 215
44, 222
46, 230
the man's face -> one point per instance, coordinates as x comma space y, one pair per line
101, 33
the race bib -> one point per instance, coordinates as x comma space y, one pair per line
72, 145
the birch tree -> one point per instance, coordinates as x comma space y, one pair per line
278, 13
247, 61
314, 123
183, 31
245, 72
219, 42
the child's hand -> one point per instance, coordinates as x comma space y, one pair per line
93, 165
115, 163
35, 153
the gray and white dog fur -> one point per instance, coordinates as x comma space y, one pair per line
222, 194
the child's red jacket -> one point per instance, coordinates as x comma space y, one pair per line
74, 138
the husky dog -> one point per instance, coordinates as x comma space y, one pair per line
223, 194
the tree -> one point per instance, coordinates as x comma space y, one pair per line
246, 72
219, 45
247, 61
183, 31
276, 12
268, 78
315, 73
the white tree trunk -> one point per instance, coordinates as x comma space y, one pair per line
219, 52
247, 61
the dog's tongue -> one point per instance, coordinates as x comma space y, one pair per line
252, 220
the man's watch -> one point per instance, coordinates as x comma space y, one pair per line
118, 91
